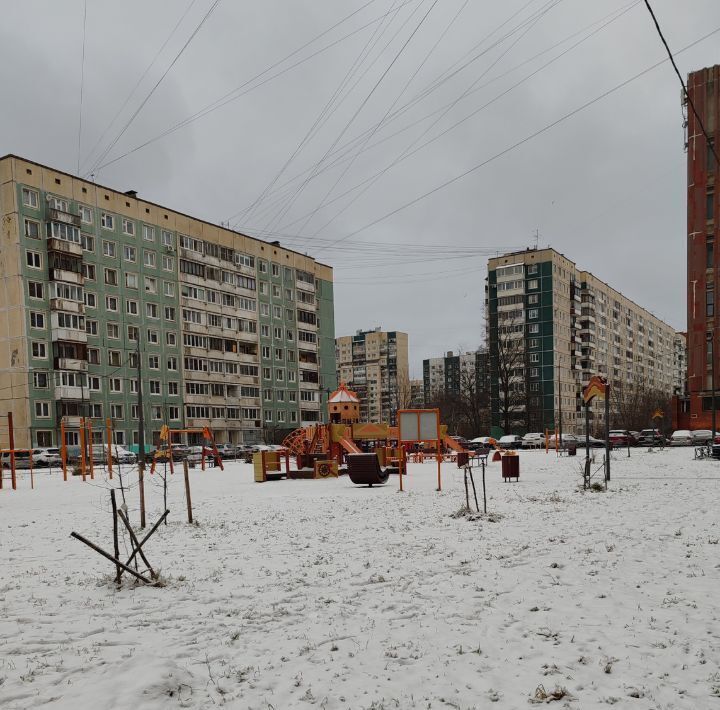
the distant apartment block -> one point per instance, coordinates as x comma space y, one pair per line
455, 374
551, 327
233, 333
374, 364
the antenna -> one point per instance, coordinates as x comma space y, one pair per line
537, 237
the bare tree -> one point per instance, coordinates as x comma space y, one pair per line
632, 405
507, 353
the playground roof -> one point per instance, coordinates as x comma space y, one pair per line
342, 394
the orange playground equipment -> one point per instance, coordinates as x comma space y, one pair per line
164, 451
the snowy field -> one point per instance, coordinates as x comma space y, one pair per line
294, 594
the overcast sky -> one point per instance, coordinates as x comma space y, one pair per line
606, 186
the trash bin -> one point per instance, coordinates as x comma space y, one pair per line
510, 466
571, 448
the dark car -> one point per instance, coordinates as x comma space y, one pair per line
622, 437
651, 437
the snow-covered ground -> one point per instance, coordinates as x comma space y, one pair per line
295, 594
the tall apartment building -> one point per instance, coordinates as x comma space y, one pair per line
374, 364
551, 327
233, 333
694, 411
450, 374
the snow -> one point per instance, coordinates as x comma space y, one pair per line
294, 594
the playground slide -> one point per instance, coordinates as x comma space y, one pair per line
349, 446
452, 444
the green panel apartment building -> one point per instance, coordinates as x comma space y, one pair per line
553, 326
232, 332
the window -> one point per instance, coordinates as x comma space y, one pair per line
169, 313
709, 301
40, 380
115, 384
133, 333
39, 349
107, 221
109, 248
42, 410
532, 269
154, 362
33, 260
267, 373
32, 229
35, 289
266, 352
91, 327
90, 299
93, 355
534, 372
131, 280
88, 272
533, 299
172, 363
262, 266
128, 227
151, 310
150, 284
533, 313
148, 233
111, 303
534, 328
96, 410
153, 337
533, 284
268, 415
169, 288
167, 238
275, 270
154, 386
278, 353
37, 320
709, 205
534, 343
168, 263
94, 384
30, 197
113, 331
170, 339
173, 389
116, 412
280, 375
129, 253
88, 242
534, 357
265, 331
131, 307
149, 258
86, 214
111, 277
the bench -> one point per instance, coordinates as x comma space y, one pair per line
365, 470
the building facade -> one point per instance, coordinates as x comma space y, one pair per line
680, 364
455, 374
694, 410
374, 364
231, 332
553, 326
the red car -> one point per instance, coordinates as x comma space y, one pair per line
622, 437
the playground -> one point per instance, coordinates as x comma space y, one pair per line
304, 593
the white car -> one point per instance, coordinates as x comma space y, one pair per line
701, 436
534, 440
681, 437
565, 440
119, 454
49, 456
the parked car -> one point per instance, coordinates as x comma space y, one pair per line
483, 441
622, 437
510, 441
594, 442
46, 457
565, 440
22, 460
681, 437
701, 436
651, 437
534, 440
227, 451
119, 454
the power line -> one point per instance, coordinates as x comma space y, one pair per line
137, 84
97, 165
527, 139
234, 95
82, 85
682, 83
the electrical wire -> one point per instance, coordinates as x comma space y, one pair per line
710, 143
233, 95
82, 85
97, 165
524, 140
137, 85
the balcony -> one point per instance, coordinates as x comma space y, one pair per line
63, 247
67, 363
67, 276
54, 215
72, 422
67, 392
65, 304
68, 335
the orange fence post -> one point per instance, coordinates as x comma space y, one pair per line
82, 447
32, 478
11, 433
63, 448
91, 462
108, 443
